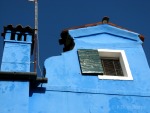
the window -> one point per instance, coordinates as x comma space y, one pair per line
107, 64
111, 66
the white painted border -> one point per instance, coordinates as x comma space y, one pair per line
123, 61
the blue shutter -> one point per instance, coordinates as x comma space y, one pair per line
90, 62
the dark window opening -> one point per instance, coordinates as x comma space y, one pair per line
12, 36
112, 66
19, 37
25, 37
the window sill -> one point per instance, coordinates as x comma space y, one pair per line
109, 77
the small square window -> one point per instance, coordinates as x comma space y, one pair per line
115, 65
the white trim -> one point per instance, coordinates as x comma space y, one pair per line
123, 61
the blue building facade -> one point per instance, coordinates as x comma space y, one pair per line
79, 80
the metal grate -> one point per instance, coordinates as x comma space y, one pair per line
112, 66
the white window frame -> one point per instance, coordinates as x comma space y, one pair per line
123, 61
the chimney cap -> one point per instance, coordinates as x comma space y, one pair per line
19, 28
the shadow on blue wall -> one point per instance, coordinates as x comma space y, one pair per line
36, 88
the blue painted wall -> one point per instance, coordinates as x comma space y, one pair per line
68, 91
72, 92
14, 95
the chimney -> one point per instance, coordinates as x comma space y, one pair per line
18, 46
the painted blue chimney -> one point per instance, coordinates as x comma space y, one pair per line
15, 68
17, 48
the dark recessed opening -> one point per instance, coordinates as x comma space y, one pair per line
12, 36
112, 66
25, 37
19, 37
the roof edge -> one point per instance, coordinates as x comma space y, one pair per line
95, 24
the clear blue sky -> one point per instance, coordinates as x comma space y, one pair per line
56, 15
